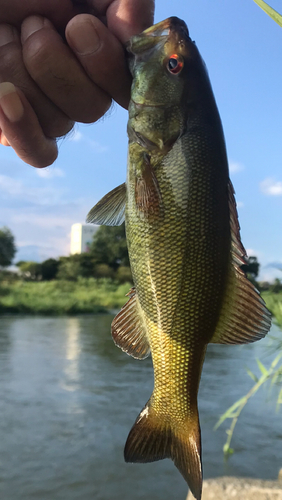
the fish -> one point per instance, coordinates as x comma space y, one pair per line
184, 243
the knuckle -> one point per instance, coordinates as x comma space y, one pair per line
58, 127
11, 62
36, 55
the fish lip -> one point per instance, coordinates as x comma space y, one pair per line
144, 104
170, 24
158, 34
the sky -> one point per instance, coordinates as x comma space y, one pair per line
242, 49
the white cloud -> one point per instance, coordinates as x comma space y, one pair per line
253, 253
271, 187
269, 274
10, 185
240, 204
99, 148
43, 221
75, 136
25, 192
50, 172
235, 167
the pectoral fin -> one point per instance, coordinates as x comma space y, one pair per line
110, 210
129, 331
147, 193
244, 317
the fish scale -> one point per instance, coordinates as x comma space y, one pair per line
184, 244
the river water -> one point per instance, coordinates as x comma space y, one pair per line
68, 398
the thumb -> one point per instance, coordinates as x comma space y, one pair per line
129, 17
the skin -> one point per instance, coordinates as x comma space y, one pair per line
66, 60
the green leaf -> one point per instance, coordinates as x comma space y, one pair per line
227, 450
270, 11
279, 400
262, 368
230, 412
276, 360
252, 375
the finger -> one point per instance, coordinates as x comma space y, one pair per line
58, 73
3, 140
15, 11
101, 55
53, 121
129, 17
21, 129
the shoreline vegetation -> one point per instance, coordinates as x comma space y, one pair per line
92, 282
62, 297
84, 296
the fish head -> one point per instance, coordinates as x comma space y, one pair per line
164, 63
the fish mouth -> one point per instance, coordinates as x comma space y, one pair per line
157, 35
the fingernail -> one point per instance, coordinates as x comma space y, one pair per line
84, 37
32, 24
8, 34
10, 102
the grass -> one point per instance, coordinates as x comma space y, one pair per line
274, 304
87, 295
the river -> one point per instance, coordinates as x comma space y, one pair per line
69, 396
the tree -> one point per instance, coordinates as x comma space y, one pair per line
109, 247
30, 270
70, 268
251, 268
7, 247
123, 274
276, 287
49, 269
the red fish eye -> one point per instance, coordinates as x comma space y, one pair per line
174, 64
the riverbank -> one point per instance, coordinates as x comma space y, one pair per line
274, 304
84, 296
240, 488
57, 297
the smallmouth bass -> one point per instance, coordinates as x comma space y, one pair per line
183, 240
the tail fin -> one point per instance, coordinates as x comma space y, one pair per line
154, 437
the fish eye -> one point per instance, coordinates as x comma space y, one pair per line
175, 64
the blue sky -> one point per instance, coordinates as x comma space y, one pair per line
242, 48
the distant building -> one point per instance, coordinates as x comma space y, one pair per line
81, 237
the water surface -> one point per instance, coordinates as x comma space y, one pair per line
68, 398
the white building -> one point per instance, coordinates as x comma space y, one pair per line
81, 237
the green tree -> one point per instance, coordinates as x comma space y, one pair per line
103, 271
123, 274
109, 247
70, 268
49, 269
251, 268
276, 287
30, 270
7, 247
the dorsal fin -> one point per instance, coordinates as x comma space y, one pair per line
110, 210
128, 329
244, 317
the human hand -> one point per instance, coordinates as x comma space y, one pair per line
55, 85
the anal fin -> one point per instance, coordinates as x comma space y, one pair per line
129, 331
